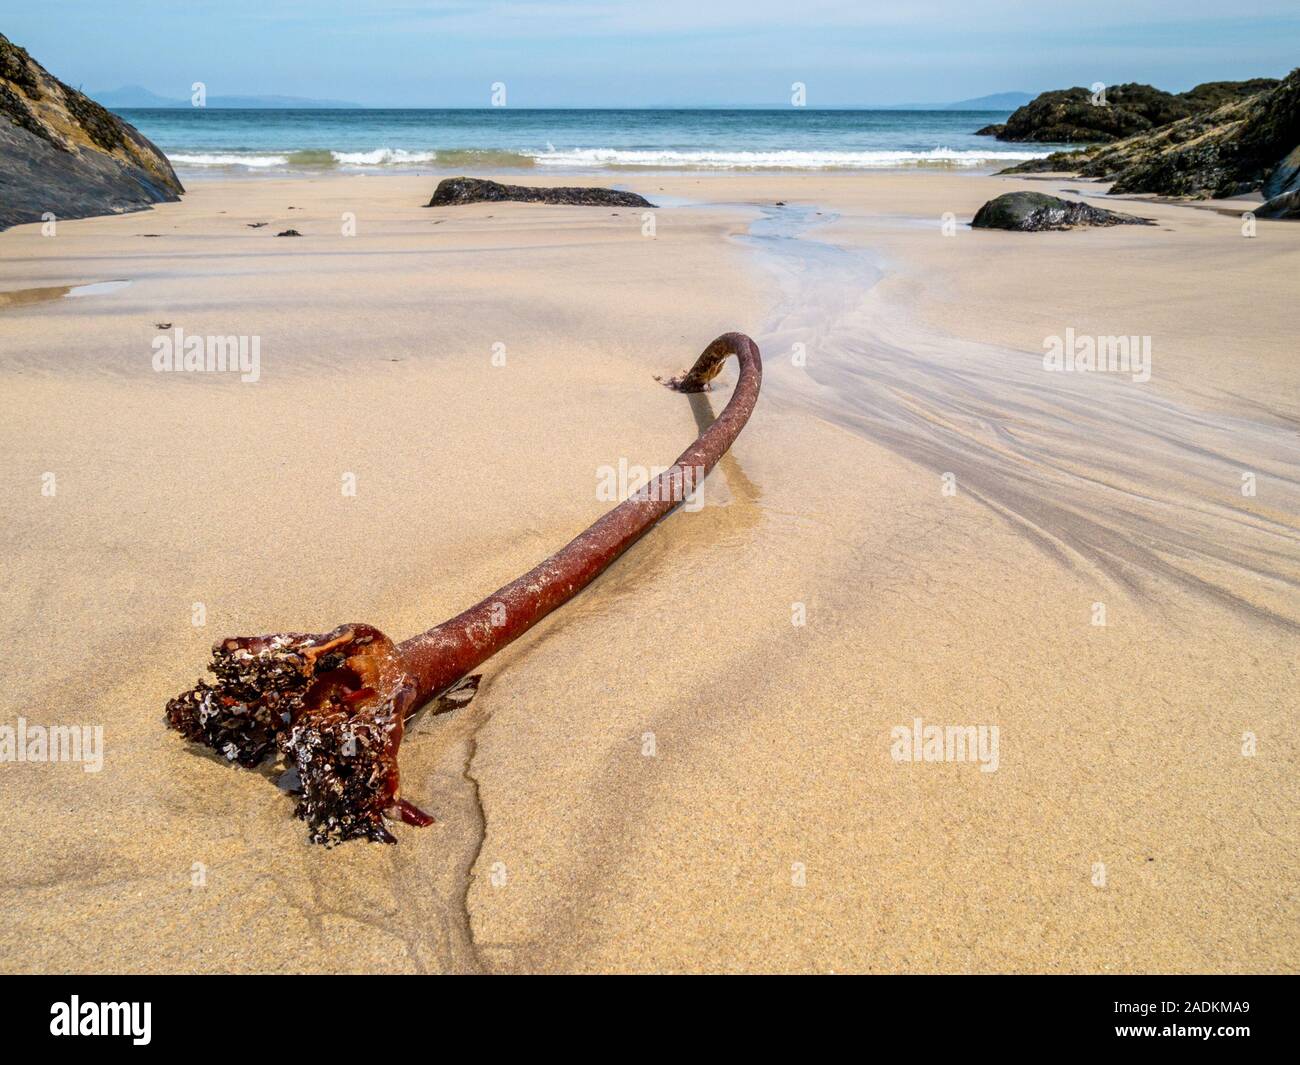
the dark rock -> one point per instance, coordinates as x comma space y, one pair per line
453, 192
61, 152
1285, 206
1226, 152
1032, 212
1070, 116
1057, 162
1285, 177
289, 233
1211, 95
995, 130
1247, 144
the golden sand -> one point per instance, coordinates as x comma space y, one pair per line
670, 774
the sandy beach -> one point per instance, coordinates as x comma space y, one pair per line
691, 767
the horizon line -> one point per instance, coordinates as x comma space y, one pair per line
565, 107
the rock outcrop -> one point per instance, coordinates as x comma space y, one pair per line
1057, 162
1246, 145
1232, 150
63, 153
1071, 116
1033, 212
453, 192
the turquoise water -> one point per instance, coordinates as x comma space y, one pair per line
211, 139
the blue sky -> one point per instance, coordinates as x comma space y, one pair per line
689, 53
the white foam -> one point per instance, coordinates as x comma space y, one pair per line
781, 159
229, 159
264, 160
707, 159
383, 157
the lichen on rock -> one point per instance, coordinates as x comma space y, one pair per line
1079, 116
1245, 145
62, 152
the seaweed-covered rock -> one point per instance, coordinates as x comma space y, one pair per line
62, 152
1057, 162
1211, 95
1033, 212
1243, 146
453, 192
1285, 206
1227, 152
1071, 116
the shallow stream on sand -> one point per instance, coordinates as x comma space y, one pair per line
1097, 470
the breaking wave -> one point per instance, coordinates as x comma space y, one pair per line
316, 157
608, 158
780, 160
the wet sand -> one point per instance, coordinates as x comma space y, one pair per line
669, 774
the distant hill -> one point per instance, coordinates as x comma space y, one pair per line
998, 101
136, 96
129, 96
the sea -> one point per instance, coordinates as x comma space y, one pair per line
203, 140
